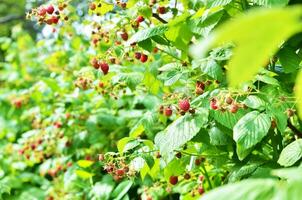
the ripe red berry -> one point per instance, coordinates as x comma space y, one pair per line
200, 190
173, 180
69, 164
120, 172
124, 36
58, 124
144, 58
184, 105
140, 19
161, 10
201, 177
234, 108
213, 104
138, 55
42, 11
168, 112
104, 67
187, 176
54, 20
92, 6
95, 63
17, 103
50, 9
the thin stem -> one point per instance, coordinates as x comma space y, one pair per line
206, 175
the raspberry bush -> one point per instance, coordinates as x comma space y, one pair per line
154, 99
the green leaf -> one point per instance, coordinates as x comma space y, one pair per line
291, 153
254, 102
146, 44
298, 93
266, 39
271, 2
211, 68
215, 3
218, 137
175, 168
289, 59
181, 131
126, 144
83, 174
227, 119
85, 163
253, 189
250, 129
147, 33
121, 189
145, 11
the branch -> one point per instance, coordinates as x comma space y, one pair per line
159, 18
10, 18
294, 129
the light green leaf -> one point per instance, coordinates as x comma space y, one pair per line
254, 102
218, 137
121, 189
181, 131
298, 93
253, 189
289, 59
85, 163
251, 128
262, 27
83, 174
291, 153
271, 2
147, 33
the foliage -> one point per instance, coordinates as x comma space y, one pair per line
153, 100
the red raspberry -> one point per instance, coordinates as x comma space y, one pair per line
168, 112
234, 108
173, 180
17, 103
144, 58
50, 9
92, 6
120, 172
213, 104
95, 63
184, 105
54, 20
101, 84
42, 11
200, 190
124, 36
104, 67
137, 55
161, 10
140, 19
